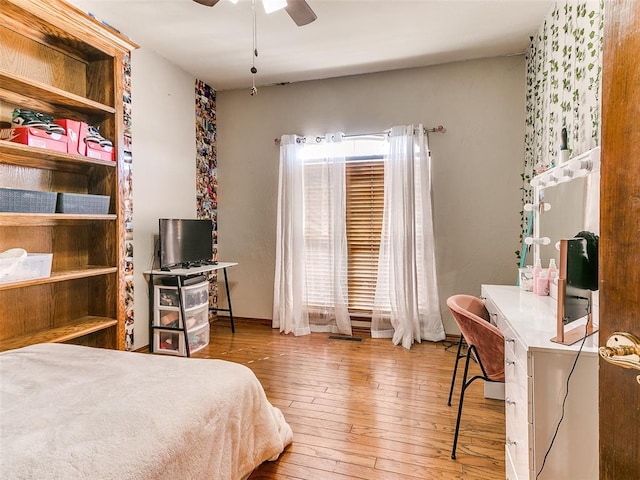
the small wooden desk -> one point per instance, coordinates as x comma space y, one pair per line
181, 274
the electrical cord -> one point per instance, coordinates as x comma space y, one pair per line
564, 401
156, 249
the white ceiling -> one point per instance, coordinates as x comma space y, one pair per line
349, 37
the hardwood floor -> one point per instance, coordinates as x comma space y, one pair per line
366, 410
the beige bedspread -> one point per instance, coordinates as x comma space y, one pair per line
70, 412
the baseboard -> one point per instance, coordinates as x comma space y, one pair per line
246, 320
359, 326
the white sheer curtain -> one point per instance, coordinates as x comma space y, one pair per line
310, 286
406, 306
290, 286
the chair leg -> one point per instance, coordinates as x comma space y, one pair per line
455, 368
464, 387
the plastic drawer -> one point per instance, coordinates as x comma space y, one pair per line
198, 338
196, 295
166, 297
168, 342
192, 295
197, 318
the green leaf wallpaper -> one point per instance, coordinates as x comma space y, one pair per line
563, 87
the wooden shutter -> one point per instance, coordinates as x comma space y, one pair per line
365, 204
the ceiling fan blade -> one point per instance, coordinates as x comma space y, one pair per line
207, 3
300, 12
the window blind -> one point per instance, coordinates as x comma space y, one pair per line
364, 208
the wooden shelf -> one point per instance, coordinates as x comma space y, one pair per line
8, 219
79, 328
61, 277
61, 62
69, 30
23, 91
26, 156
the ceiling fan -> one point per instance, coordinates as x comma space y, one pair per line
298, 10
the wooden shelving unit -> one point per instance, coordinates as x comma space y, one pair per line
49, 219
16, 89
63, 333
25, 156
66, 64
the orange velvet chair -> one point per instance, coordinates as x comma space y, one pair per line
485, 345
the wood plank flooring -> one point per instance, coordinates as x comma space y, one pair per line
369, 410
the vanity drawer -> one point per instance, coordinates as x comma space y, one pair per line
519, 439
494, 313
514, 349
517, 392
518, 410
512, 474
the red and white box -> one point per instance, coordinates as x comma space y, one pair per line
77, 140
35, 137
95, 150
76, 133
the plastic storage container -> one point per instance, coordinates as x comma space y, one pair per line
193, 295
34, 265
27, 201
169, 342
196, 318
82, 203
199, 338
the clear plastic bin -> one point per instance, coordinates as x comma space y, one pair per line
34, 265
170, 342
193, 295
199, 338
197, 318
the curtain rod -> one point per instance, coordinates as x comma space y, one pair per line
303, 139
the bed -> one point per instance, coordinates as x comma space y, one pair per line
74, 412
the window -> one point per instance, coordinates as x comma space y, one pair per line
364, 203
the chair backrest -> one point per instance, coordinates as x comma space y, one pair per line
487, 339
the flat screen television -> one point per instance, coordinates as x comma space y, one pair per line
185, 242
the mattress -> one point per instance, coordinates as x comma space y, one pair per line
74, 412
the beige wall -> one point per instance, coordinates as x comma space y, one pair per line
476, 165
164, 171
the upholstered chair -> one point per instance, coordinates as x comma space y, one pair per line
473, 306
485, 345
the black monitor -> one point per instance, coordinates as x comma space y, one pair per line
577, 300
581, 274
185, 242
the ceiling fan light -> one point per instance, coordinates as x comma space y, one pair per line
234, 1
273, 5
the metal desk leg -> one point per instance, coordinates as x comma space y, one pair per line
151, 305
226, 286
183, 316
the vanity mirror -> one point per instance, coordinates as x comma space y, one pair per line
570, 193
565, 218
567, 203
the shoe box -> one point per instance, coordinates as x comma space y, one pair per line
76, 141
95, 150
76, 133
35, 137
73, 142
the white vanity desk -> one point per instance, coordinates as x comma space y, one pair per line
536, 372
